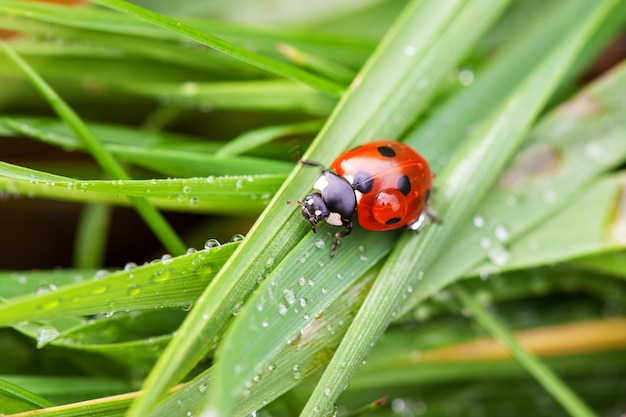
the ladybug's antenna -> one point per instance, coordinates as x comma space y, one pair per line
311, 163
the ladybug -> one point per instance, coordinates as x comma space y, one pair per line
385, 182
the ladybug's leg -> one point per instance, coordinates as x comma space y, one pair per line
432, 216
338, 236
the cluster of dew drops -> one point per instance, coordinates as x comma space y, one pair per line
48, 333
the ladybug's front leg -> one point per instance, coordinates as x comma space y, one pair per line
339, 235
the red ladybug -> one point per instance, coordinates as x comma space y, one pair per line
386, 182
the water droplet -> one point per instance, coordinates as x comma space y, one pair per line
237, 308
282, 309
302, 281
133, 290
399, 406
320, 263
296, 372
327, 391
363, 258
45, 335
499, 255
320, 244
46, 289
191, 250
410, 50
212, 243
295, 339
167, 258
271, 367
264, 323
237, 238
210, 179
130, 266
324, 290
339, 275
466, 77
303, 302
479, 221
502, 233
100, 274
485, 242
289, 295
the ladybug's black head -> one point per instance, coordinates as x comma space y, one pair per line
314, 209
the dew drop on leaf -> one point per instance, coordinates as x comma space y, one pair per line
45, 335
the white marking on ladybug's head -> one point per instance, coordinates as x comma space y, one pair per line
349, 178
334, 219
321, 183
309, 201
318, 213
358, 196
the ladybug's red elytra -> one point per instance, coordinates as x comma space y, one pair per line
385, 182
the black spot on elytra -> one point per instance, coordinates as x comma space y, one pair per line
393, 220
404, 185
363, 182
386, 151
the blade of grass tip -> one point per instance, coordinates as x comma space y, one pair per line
267, 64
467, 178
146, 210
548, 379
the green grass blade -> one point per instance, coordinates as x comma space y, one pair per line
171, 155
92, 233
551, 382
167, 282
557, 241
227, 194
560, 157
267, 64
260, 137
465, 180
153, 218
